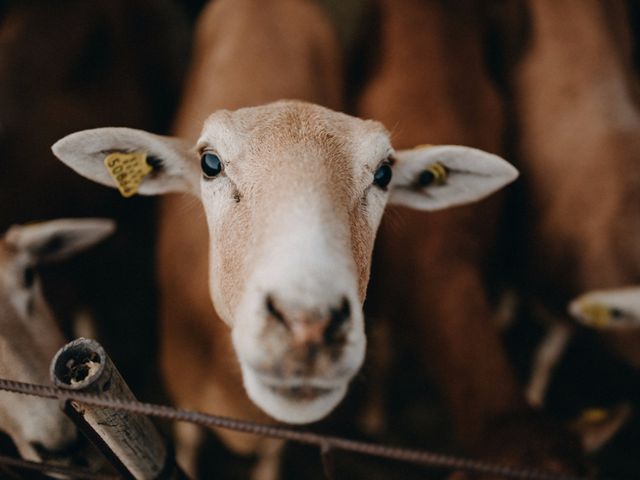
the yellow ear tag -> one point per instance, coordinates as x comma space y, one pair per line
597, 315
439, 171
593, 415
434, 174
127, 170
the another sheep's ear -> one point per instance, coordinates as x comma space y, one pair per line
438, 177
58, 239
169, 164
617, 308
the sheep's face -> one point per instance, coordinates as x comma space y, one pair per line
293, 195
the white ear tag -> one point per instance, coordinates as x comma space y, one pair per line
128, 170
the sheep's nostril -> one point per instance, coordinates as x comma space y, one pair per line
274, 312
338, 318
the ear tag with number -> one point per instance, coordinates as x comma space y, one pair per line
127, 170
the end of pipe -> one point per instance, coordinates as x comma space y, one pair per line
78, 365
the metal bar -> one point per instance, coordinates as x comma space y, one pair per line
422, 457
84, 366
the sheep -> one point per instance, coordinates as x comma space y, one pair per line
29, 334
574, 97
293, 194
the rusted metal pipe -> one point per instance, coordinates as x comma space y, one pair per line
83, 366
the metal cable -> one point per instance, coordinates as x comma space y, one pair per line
423, 457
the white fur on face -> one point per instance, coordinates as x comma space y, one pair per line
281, 220
307, 271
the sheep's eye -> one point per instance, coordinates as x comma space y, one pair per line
211, 164
382, 175
28, 277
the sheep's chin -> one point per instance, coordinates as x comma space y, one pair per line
298, 405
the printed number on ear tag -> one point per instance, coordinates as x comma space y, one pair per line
128, 170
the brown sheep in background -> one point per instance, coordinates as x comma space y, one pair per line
77, 65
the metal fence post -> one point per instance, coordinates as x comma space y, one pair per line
83, 366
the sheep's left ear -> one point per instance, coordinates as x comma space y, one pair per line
174, 167
438, 177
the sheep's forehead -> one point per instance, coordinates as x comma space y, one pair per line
297, 135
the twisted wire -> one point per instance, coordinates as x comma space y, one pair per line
325, 442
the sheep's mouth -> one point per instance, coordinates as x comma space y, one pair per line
300, 392
296, 400
300, 388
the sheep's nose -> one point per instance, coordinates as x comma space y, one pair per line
61, 451
312, 327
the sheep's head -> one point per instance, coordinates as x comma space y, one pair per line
29, 335
293, 194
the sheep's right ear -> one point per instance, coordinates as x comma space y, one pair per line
442, 176
171, 166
